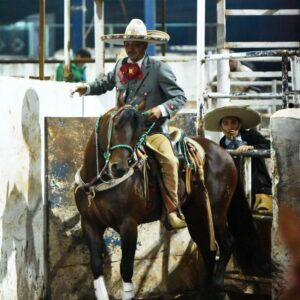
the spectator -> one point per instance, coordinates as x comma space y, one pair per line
78, 69
237, 124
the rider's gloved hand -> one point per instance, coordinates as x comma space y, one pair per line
154, 113
81, 89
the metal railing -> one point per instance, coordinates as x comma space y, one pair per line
245, 170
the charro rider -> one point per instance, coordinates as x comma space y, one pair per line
138, 78
237, 124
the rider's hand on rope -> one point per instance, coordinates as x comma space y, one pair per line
81, 89
154, 113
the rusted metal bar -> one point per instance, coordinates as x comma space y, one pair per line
42, 40
262, 53
245, 167
265, 153
262, 12
264, 44
249, 83
285, 83
243, 95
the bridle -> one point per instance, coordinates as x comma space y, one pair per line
110, 148
107, 154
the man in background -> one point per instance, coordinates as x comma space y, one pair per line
238, 126
78, 68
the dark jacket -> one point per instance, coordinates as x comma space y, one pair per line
261, 181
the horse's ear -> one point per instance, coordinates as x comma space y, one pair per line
121, 98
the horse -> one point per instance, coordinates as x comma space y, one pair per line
110, 163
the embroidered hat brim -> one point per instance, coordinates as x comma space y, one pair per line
152, 37
249, 118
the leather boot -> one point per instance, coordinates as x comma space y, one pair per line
175, 222
169, 167
263, 204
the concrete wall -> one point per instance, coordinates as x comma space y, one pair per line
285, 128
24, 104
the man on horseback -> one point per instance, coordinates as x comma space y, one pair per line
144, 82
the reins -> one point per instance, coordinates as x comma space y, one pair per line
91, 188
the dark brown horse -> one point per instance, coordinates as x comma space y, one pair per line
110, 193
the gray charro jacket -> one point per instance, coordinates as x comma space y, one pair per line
158, 86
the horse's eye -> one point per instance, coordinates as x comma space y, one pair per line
130, 161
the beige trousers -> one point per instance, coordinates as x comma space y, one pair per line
168, 162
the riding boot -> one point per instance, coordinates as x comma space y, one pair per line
170, 178
169, 168
263, 204
175, 218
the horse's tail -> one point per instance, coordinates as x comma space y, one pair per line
248, 248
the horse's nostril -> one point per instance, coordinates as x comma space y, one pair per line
117, 170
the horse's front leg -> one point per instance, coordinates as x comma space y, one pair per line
128, 234
94, 238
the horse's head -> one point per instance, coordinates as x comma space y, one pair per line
125, 127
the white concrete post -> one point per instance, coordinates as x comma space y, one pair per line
285, 126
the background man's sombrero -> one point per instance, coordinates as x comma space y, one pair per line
136, 31
249, 118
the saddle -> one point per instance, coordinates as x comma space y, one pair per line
191, 158
190, 154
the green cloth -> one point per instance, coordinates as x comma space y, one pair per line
78, 74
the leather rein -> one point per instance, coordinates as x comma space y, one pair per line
91, 187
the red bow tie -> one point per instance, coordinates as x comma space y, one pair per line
129, 72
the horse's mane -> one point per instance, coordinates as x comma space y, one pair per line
133, 117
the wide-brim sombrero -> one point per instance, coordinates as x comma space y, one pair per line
136, 32
248, 117
152, 37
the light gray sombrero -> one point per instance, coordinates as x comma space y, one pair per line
249, 118
136, 32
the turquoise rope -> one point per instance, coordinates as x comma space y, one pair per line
144, 136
